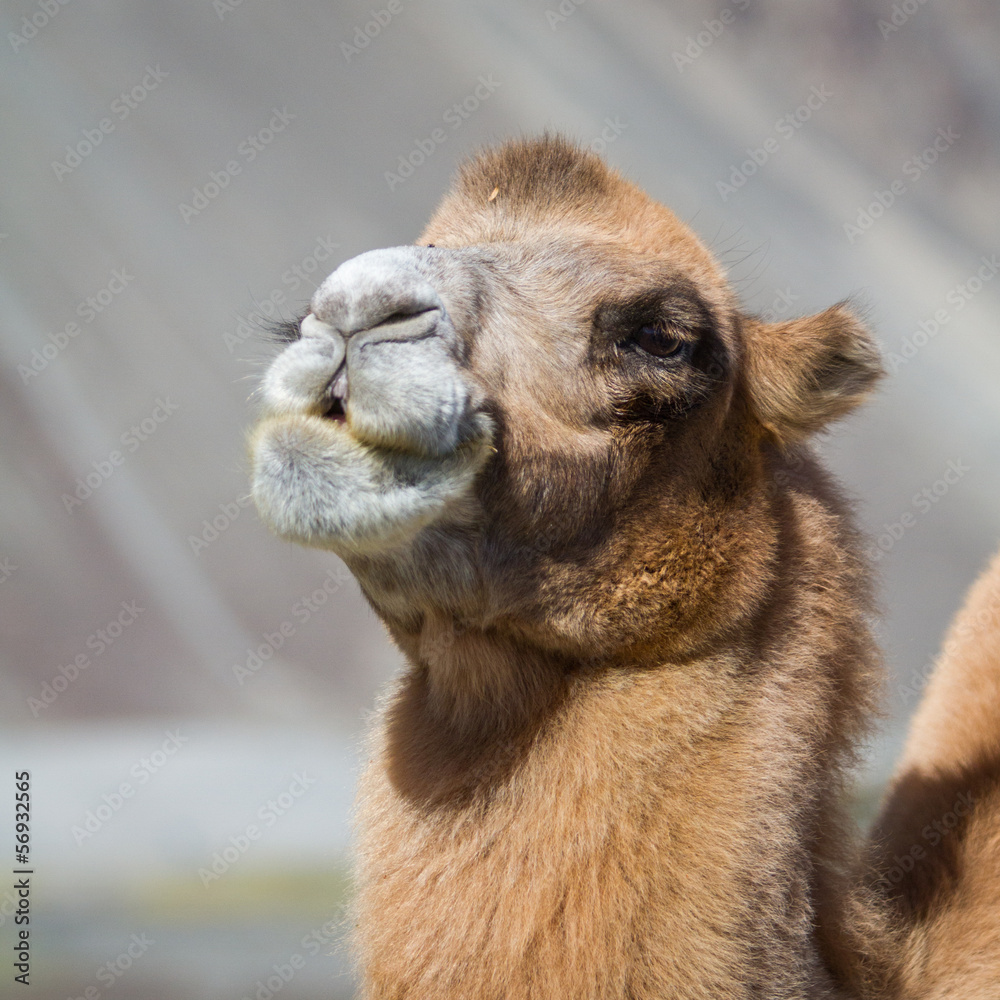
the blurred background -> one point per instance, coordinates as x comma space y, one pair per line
187, 692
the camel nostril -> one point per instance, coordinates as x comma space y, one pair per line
380, 287
404, 314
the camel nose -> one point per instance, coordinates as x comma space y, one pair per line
376, 297
381, 294
379, 352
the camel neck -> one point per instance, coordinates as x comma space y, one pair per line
467, 708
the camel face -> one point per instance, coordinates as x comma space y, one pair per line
539, 414
500, 400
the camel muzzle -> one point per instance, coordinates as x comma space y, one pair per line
370, 425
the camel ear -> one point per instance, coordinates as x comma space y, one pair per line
804, 373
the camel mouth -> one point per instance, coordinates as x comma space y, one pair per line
317, 483
359, 450
335, 412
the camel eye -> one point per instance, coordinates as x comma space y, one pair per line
659, 343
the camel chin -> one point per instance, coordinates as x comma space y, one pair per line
316, 483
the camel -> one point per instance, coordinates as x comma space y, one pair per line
573, 479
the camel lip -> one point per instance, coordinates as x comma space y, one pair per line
320, 485
339, 427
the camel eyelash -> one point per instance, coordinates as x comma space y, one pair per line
285, 331
662, 343
667, 314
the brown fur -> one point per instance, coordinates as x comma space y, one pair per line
942, 813
639, 658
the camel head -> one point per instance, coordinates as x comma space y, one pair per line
549, 418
